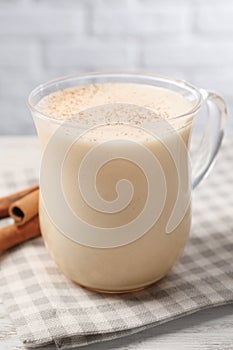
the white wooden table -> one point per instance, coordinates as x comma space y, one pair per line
210, 329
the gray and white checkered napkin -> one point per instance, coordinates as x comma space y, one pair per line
47, 308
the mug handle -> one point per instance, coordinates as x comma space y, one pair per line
212, 139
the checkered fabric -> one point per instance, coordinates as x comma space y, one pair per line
47, 308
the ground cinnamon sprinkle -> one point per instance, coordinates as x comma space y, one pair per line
68, 103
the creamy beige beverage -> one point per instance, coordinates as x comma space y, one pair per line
133, 260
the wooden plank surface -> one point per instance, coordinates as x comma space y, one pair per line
210, 329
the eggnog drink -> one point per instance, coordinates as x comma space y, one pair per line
145, 252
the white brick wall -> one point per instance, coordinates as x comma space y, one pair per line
92, 54
142, 20
41, 21
44, 39
215, 19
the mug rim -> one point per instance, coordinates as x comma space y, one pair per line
176, 82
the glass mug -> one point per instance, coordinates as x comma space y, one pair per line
115, 194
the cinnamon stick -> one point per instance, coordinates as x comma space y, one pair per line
25, 208
5, 202
14, 234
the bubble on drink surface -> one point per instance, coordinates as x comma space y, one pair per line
115, 136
